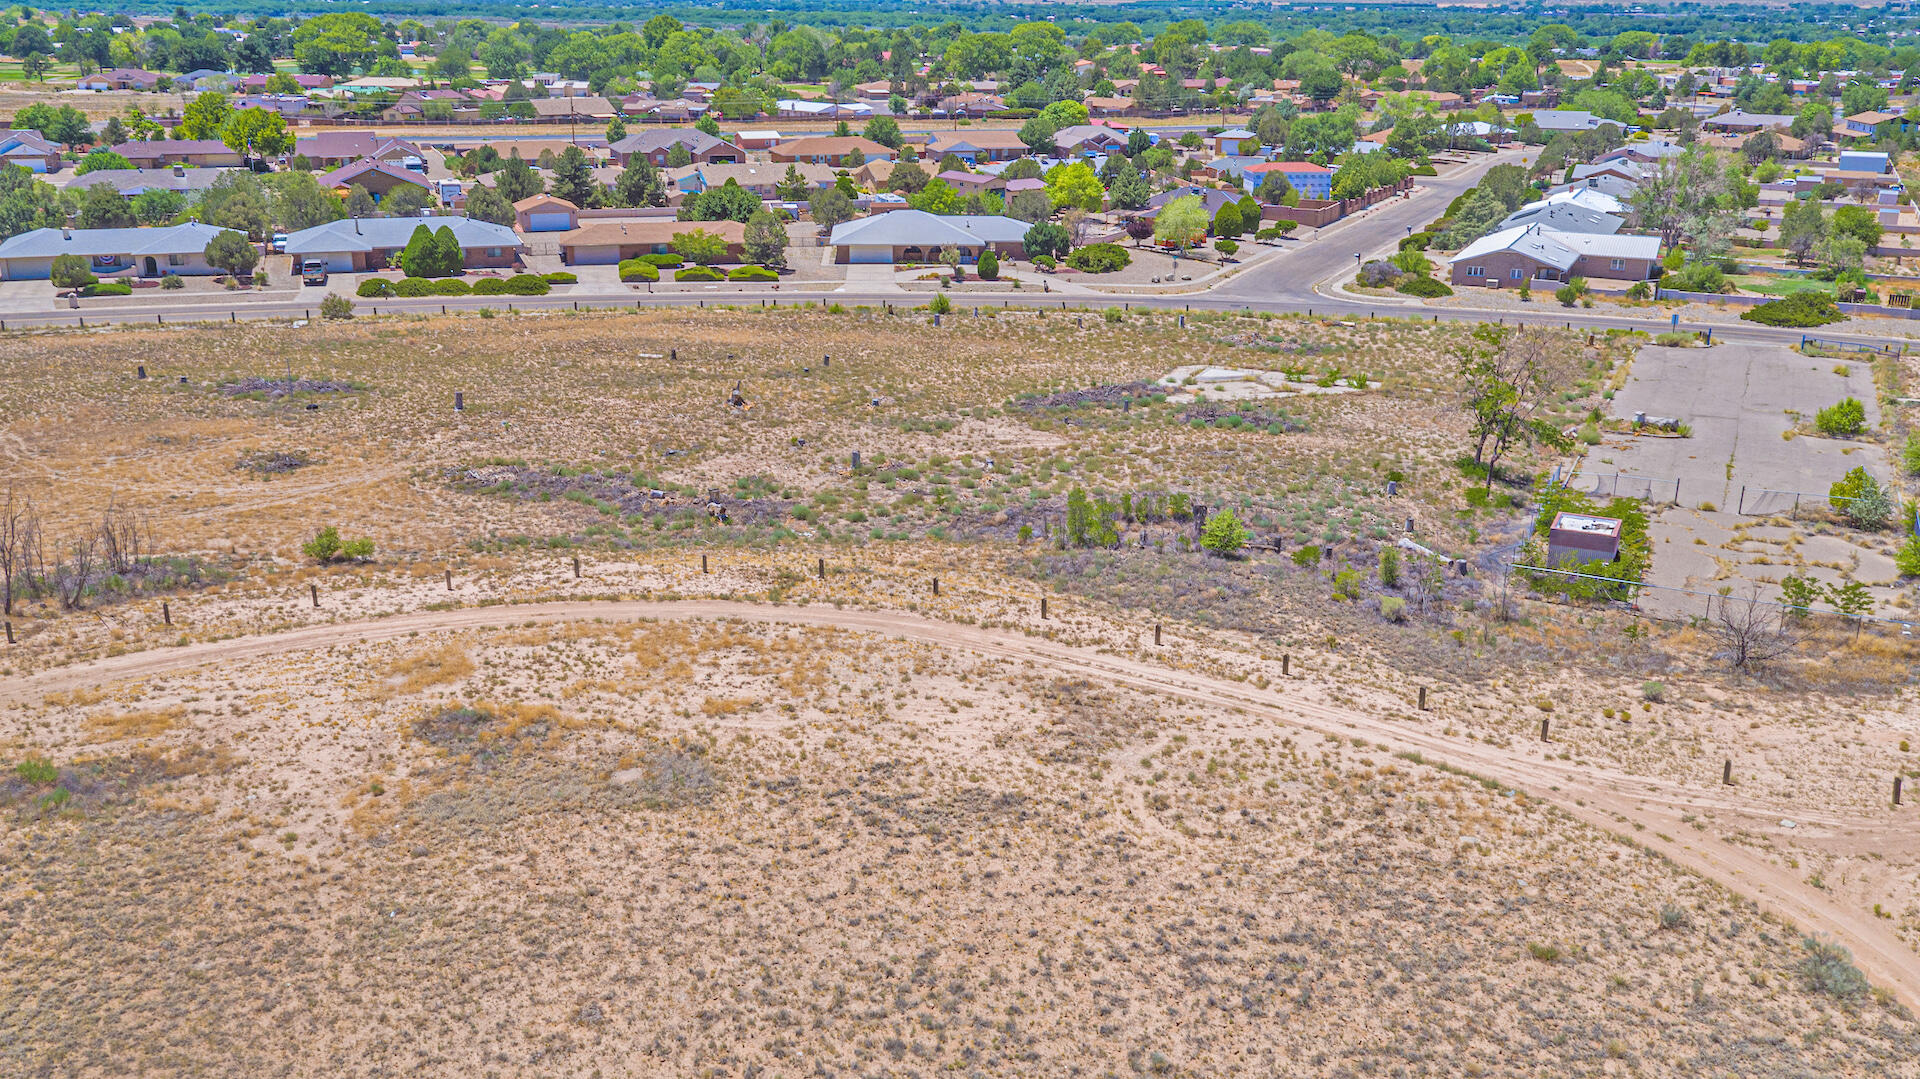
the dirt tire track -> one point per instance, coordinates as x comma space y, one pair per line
1611, 801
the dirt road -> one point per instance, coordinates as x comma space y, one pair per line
1646, 810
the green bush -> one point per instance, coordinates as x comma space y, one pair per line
327, 546
1910, 453
1828, 968
38, 771
1419, 241
1425, 287
696, 273
1393, 608
1907, 561
1099, 258
1044, 262
490, 286
1676, 338
334, 305
527, 284
451, 286
108, 288
752, 273
637, 270
1639, 290
1697, 277
1226, 247
988, 266
374, 288
1223, 534
173, 280
1846, 417
1570, 293
940, 305
664, 262
1800, 309
562, 277
1423, 170
413, 287
1862, 500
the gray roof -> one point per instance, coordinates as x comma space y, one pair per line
1563, 217
1570, 120
131, 182
918, 228
1749, 120
646, 142
1559, 249
190, 238
388, 233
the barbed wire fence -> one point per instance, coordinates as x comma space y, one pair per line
1693, 603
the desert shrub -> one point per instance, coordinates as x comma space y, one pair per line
1276, 230
490, 286
662, 261
451, 286
173, 280
413, 287
1378, 274
1226, 247
528, 284
940, 305
696, 273
1223, 534
1639, 290
561, 277
1418, 241
1697, 277
1674, 917
327, 546
1423, 170
1424, 287
1570, 293
1675, 339
374, 288
1390, 567
1044, 262
1653, 691
1845, 417
107, 288
335, 305
1099, 258
752, 273
1907, 561
37, 770
1861, 498
1800, 309
1910, 453
1393, 608
1799, 593
639, 270
1828, 968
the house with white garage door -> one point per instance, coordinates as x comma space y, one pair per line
360, 244
917, 236
131, 252
545, 213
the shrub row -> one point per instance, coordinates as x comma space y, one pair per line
638, 270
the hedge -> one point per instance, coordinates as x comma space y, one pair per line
1422, 285
1418, 241
107, 288
752, 273
636, 270
1799, 309
374, 288
665, 262
1099, 258
450, 286
413, 286
561, 277
1423, 170
490, 286
528, 284
697, 273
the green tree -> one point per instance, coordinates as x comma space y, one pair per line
1223, 534
1275, 190
237, 201
728, 202
420, 258
71, 271
360, 202
830, 206
793, 187
1803, 228
1862, 499
616, 130
255, 133
1857, 221
486, 204
708, 124
1038, 133
448, 257
1227, 222
640, 184
700, 247
157, 205
1047, 238
573, 177
908, 178
103, 207
1075, 186
937, 197
299, 202
1181, 223
101, 158
766, 241
884, 130
231, 252
1130, 190
516, 180
678, 156
205, 116
1029, 206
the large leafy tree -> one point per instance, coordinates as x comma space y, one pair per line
573, 177
486, 204
230, 251
257, 133
516, 180
338, 42
205, 116
1181, 223
1684, 200
766, 241
728, 202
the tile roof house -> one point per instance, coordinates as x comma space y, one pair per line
142, 252
378, 177
1551, 120
971, 183
917, 236
332, 149
1087, 139
600, 243
122, 78
1526, 253
761, 179
159, 153
1738, 120
975, 147
830, 149
560, 110
655, 145
26, 148
368, 243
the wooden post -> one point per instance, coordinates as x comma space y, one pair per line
449, 574
1286, 666
1043, 606
1423, 698
314, 591
1545, 729
823, 569
1726, 774
1896, 790
576, 567
166, 613
459, 401
1156, 634
936, 586
9, 632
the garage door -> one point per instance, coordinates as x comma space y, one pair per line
338, 262
548, 222
594, 256
869, 253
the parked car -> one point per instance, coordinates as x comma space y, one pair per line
279, 243
313, 272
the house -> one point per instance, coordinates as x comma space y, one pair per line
332, 149
756, 140
1747, 122
1645, 153
977, 147
424, 104
1563, 217
1587, 197
1605, 183
831, 150
761, 179
918, 236
545, 213
604, 242
204, 79
134, 182
1859, 161
1311, 180
369, 243
1618, 167
561, 110
1579, 538
253, 84
655, 145
1109, 106
1552, 120
159, 153
26, 148
679, 110
379, 178
969, 104
1528, 253
137, 252
873, 175
802, 109
1863, 125
1229, 143
1438, 100
874, 93
122, 78
971, 183
1088, 139
1029, 183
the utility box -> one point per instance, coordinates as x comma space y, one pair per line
1577, 538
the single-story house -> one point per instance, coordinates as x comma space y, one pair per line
122, 78
159, 153
1552, 120
579, 109
1211, 200
257, 83
1630, 171
134, 182
969, 104
872, 176
976, 147
28, 149
332, 149
369, 243
1563, 217
831, 150
1862, 125
1311, 180
1646, 153
142, 252
656, 144
1527, 253
1591, 198
762, 180
1739, 120
378, 177
756, 140
604, 242
803, 109
545, 213
1862, 161
1088, 139
918, 236
1230, 143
